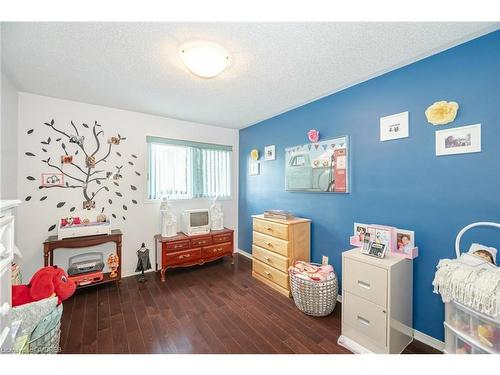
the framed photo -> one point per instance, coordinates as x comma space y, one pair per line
270, 152
254, 168
318, 167
394, 127
52, 179
405, 241
360, 231
462, 140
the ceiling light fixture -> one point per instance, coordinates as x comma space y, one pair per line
204, 59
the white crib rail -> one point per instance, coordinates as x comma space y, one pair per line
466, 228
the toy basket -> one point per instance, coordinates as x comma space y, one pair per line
316, 298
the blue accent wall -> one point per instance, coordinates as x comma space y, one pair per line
401, 182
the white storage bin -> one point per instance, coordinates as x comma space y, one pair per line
469, 332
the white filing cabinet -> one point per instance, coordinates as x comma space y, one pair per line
6, 257
377, 298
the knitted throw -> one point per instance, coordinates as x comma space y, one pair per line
477, 287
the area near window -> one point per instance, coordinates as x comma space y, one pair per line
180, 169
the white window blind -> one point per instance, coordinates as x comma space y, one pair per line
184, 170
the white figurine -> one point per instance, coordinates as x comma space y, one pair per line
168, 219
216, 215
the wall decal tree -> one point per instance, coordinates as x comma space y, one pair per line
87, 176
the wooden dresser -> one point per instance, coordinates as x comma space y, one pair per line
185, 251
276, 244
377, 297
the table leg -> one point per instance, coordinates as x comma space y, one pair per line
162, 274
46, 255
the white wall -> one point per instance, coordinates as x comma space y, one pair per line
8, 164
142, 220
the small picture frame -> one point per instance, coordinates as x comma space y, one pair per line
254, 168
394, 126
405, 242
462, 140
270, 152
360, 231
88, 205
52, 179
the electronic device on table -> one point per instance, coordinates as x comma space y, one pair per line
85, 263
196, 222
372, 245
87, 278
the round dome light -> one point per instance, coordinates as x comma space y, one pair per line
204, 59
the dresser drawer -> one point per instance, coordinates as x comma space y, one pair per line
368, 319
271, 228
185, 256
270, 243
226, 237
365, 280
202, 241
270, 273
216, 250
272, 259
176, 246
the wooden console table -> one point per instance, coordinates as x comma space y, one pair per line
184, 251
52, 243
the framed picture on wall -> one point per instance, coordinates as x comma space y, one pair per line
318, 167
254, 168
270, 152
462, 140
52, 179
394, 126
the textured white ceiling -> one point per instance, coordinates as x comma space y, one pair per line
275, 66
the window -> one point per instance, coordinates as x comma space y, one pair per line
184, 170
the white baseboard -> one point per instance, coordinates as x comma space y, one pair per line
244, 253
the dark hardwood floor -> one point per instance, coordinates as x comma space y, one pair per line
215, 308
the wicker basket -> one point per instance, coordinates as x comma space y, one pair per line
316, 298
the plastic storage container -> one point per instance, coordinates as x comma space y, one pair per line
470, 332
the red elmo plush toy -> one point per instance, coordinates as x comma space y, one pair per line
45, 282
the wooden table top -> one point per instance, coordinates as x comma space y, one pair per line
182, 236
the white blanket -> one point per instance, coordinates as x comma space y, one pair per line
471, 282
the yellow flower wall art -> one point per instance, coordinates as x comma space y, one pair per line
254, 154
442, 112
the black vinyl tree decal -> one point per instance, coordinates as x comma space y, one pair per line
83, 164
88, 175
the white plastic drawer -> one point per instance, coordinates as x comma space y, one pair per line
474, 326
458, 343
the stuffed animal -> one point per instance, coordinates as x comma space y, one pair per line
46, 282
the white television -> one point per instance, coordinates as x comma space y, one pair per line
196, 222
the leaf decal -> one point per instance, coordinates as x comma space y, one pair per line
44, 150
125, 207
29, 154
52, 227
62, 145
106, 188
131, 163
60, 204
133, 187
43, 198
137, 173
28, 198
58, 139
117, 153
110, 201
134, 156
30, 131
118, 193
134, 201
85, 125
97, 182
76, 152
124, 218
31, 178
72, 209
113, 215
116, 183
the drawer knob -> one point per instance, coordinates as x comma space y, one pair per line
267, 258
269, 228
364, 284
184, 256
364, 321
269, 244
267, 273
